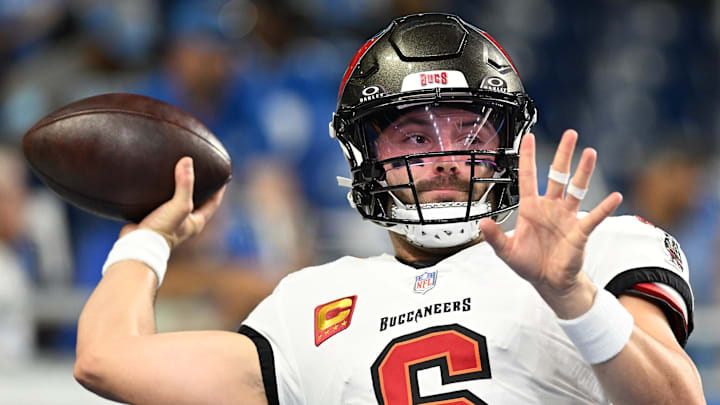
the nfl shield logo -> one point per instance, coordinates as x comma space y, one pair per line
425, 281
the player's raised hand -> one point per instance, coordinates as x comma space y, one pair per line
177, 219
548, 245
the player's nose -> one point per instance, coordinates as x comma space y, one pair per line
446, 165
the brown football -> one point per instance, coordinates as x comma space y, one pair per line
114, 154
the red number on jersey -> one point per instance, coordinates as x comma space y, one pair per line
460, 353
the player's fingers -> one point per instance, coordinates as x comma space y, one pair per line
527, 174
492, 233
184, 183
561, 163
599, 213
581, 180
208, 208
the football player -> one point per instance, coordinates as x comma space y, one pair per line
432, 117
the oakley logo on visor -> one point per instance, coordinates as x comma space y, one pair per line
433, 79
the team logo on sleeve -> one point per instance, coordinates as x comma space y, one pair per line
425, 282
333, 317
672, 249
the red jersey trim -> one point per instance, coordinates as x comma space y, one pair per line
682, 323
657, 292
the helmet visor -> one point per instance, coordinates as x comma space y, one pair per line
400, 132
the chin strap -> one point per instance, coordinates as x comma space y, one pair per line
439, 235
434, 235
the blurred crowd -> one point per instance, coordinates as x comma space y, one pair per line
636, 79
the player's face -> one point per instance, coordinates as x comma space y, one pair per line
439, 129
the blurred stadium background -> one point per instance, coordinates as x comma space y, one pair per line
637, 79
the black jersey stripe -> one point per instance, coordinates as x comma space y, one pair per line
624, 282
267, 363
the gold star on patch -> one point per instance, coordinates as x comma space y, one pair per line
344, 323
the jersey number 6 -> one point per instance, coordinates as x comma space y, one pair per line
460, 353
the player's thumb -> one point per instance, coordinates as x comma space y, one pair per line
492, 233
167, 219
182, 200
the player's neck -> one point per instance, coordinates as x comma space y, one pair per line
413, 253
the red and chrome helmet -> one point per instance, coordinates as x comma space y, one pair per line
430, 115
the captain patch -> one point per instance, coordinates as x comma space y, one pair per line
333, 317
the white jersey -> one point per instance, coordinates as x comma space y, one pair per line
466, 330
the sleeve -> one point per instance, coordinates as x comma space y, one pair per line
266, 327
628, 255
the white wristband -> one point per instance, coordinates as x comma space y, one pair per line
143, 245
602, 332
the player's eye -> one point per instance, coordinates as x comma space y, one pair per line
416, 139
